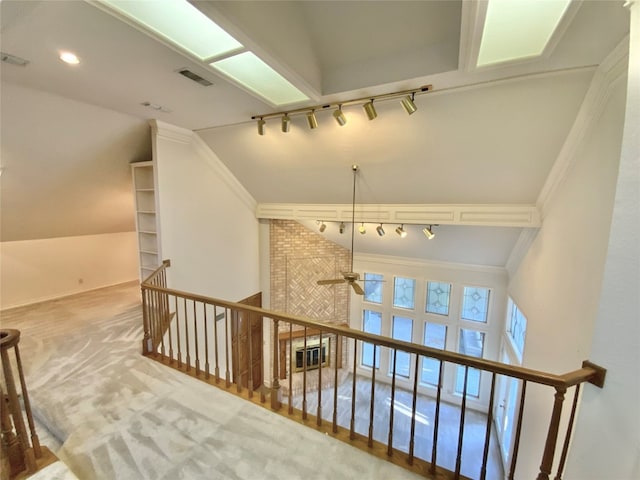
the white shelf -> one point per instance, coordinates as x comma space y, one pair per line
149, 257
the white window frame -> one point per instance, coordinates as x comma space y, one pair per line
493, 328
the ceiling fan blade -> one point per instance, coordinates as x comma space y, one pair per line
333, 281
357, 288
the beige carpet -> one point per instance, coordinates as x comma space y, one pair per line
118, 415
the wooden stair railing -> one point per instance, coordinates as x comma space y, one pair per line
22, 454
178, 324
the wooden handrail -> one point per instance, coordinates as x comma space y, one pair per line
161, 303
586, 373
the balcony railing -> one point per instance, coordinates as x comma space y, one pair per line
220, 343
21, 454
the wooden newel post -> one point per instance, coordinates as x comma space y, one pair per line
146, 340
552, 435
9, 339
275, 384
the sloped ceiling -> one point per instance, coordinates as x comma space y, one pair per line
482, 136
66, 166
479, 145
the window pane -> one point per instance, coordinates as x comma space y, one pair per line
403, 292
401, 330
475, 304
435, 336
438, 297
372, 323
517, 328
470, 343
473, 381
373, 287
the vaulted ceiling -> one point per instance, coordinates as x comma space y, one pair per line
482, 136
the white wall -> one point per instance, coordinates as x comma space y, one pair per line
37, 270
607, 437
557, 286
208, 227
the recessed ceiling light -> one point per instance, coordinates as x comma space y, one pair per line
70, 58
515, 29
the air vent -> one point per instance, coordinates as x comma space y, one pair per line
13, 60
195, 77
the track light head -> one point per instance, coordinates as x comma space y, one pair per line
341, 228
362, 229
286, 123
408, 103
339, 116
261, 124
322, 226
428, 232
312, 121
380, 230
401, 231
370, 110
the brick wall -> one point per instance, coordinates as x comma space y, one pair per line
299, 258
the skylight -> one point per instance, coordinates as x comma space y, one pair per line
183, 25
180, 23
260, 78
516, 29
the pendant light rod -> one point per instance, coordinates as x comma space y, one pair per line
353, 211
355, 101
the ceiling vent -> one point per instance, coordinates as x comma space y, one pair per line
13, 60
195, 77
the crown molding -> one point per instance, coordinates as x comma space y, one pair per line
188, 137
436, 214
170, 132
222, 172
393, 261
606, 77
520, 249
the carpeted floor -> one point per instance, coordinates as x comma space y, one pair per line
114, 414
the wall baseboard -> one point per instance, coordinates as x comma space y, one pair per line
66, 294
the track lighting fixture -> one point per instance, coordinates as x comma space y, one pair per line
408, 103
312, 120
286, 122
261, 124
339, 116
370, 110
428, 232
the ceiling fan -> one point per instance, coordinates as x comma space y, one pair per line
349, 277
